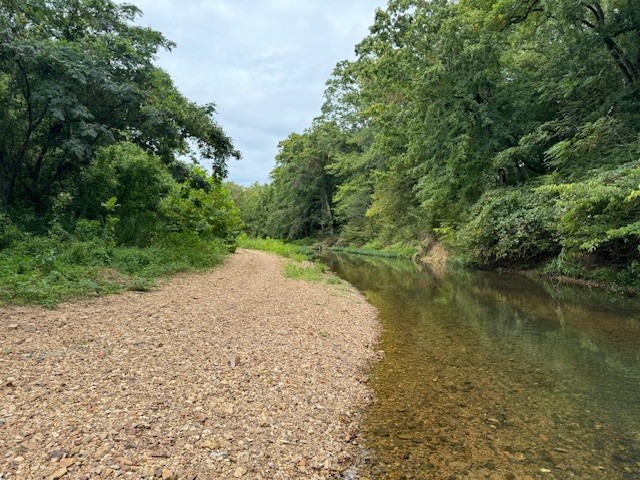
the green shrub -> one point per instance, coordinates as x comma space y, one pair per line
208, 211
136, 180
600, 216
45, 270
9, 233
508, 228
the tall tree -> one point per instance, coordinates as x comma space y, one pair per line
76, 75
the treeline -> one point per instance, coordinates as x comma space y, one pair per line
91, 137
509, 130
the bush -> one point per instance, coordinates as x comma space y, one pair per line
9, 233
46, 270
136, 180
288, 250
600, 216
206, 210
509, 228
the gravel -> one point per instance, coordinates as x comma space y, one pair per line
236, 373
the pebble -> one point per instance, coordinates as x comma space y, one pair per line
67, 462
167, 474
61, 472
122, 399
240, 472
220, 455
56, 455
243, 457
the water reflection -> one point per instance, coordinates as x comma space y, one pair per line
494, 376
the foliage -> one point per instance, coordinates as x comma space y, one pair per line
136, 180
509, 228
206, 210
302, 189
309, 273
376, 248
279, 247
601, 215
254, 204
75, 76
46, 270
509, 129
94, 196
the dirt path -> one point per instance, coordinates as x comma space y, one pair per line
237, 373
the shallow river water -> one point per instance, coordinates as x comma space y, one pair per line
496, 376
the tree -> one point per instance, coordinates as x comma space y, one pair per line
303, 189
77, 75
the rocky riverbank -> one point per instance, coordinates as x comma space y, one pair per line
237, 373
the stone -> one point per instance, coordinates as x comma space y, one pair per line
101, 453
234, 361
219, 455
240, 472
67, 462
201, 418
61, 472
167, 474
148, 471
13, 326
56, 455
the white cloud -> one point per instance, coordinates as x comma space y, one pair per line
263, 62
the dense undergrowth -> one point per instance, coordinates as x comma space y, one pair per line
95, 195
294, 251
46, 270
379, 249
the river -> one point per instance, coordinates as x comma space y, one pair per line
496, 376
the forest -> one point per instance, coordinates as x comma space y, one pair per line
509, 131
95, 194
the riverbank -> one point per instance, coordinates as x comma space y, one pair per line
235, 373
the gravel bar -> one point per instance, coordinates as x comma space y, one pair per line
235, 373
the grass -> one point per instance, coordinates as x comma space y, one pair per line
48, 270
312, 273
296, 269
288, 250
376, 249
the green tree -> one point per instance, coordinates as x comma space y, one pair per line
77, 75
303, 189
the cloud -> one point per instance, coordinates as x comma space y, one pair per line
263, 62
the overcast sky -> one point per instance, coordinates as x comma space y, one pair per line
263, 62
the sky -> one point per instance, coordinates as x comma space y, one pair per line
264, 63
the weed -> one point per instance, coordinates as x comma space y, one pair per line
46, 270
312, 273
288, 250
377, 249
